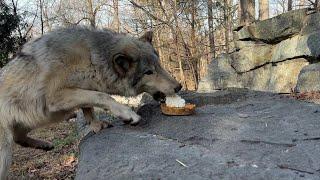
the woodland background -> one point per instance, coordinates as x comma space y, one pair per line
188, 34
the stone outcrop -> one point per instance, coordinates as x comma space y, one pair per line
298, 46
234, 134
309, 79
270, 77
250, 57
274, 29
269, 55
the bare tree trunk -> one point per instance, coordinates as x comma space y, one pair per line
251, 10
46, 21
194, 52
239, 12
16, 14
289, 5
263, 9
41, 15
317, 5
182, 76
116, 20
193, 27
247, 11
302, 4
284, 4
227, 25
161, 55
211, 30
92, 16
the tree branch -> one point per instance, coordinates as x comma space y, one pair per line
147, 12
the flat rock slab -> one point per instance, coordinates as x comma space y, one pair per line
235, 134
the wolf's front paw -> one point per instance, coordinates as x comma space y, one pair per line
97, 126
134, 119
125, 113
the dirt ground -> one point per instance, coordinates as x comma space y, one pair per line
59, 163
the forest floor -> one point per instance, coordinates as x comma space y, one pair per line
59, 163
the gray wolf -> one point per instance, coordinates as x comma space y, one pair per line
72, 68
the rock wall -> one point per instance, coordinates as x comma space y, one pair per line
271, 55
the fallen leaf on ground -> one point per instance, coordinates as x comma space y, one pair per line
68, 162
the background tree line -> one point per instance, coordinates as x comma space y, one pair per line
187, 33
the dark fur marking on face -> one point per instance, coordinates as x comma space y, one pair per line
136, 79
156, 53
143, 66
138, 75
122, 63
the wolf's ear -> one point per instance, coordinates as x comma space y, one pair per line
147, 37
122, 64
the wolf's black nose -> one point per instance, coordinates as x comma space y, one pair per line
178, 88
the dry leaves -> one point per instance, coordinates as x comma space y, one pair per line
70, 161
306, 95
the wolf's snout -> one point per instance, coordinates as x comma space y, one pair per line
178, 88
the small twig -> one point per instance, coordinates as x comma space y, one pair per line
294, 169
181, 163
312, 138
207, 113
266, 142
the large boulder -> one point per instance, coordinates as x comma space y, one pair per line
309, 79
278, 77
258, 79
298, 46
284, 75
311, 24
221, 75
250, 57
206, 85
274, 77
245, 44
274, 29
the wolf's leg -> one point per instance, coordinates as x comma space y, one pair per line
68, 99
20, 137
20, 134
5, 151
95, 124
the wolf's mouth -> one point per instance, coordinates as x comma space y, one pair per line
159, 96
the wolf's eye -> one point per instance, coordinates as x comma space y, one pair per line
149, 72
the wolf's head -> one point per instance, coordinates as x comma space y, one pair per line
137, 61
